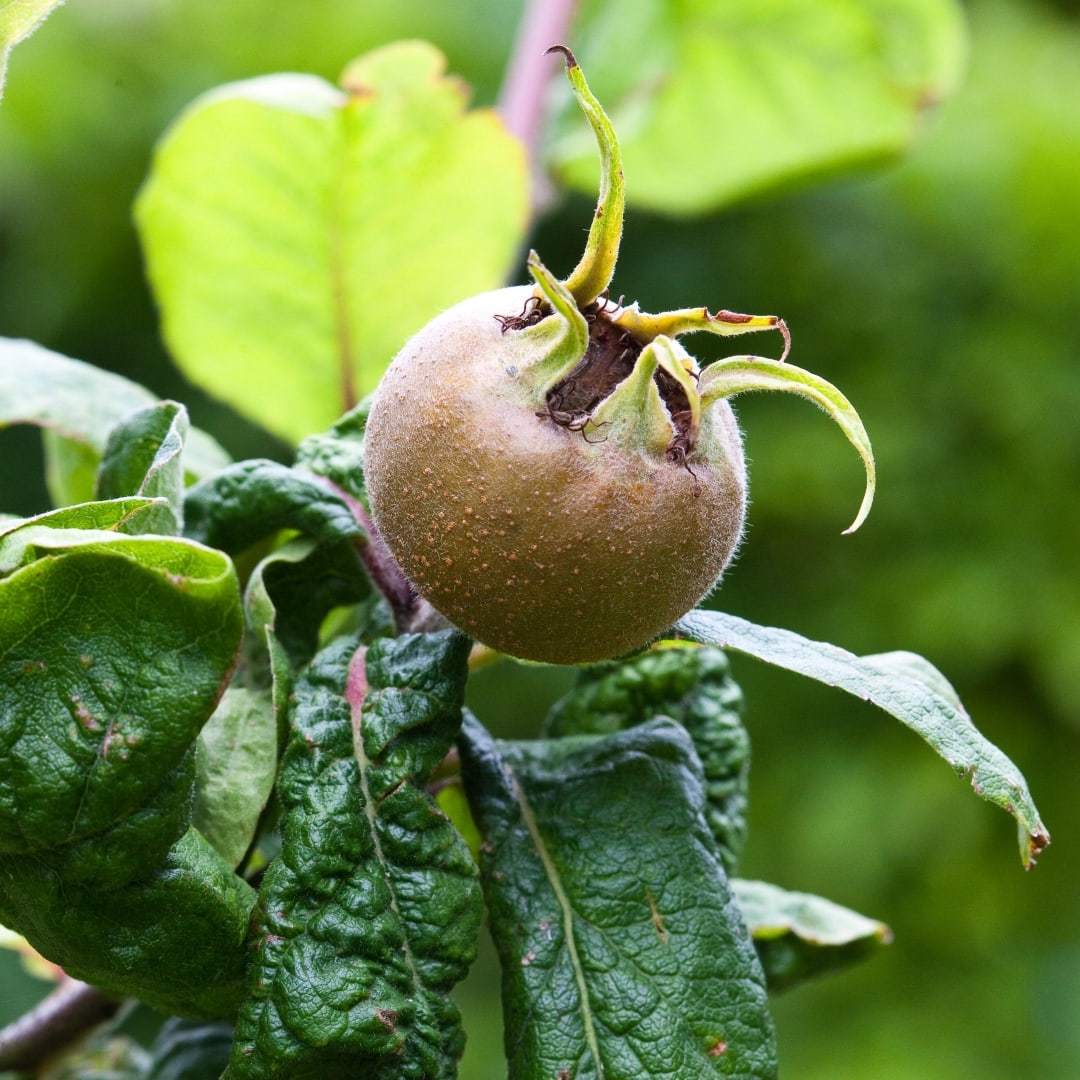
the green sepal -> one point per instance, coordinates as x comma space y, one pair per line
633, 415
594, 272
561, 339
693, 686
371, 912
623, 951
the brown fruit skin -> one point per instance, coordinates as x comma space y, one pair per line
521, 533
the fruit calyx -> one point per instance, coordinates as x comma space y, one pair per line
614, 372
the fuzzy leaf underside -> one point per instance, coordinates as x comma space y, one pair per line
77, 405
798, 936
623, 951
907, 687
371, 912
296, 234
724, 100
236, 765
692, 686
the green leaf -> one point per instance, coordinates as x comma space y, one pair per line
692, 686
114, 650
905, 686
173, 939
338, 454
296, 234
623, 952
371, 912
798, 936
251, 500
142, 457
189, 1051
78, 405
18, 20
132, 515
715, 101
236, 766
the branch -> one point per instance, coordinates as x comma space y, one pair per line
523, 98
68, 1013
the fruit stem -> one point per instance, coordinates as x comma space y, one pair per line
383, 569
594, 272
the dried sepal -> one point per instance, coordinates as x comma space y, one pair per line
738, 374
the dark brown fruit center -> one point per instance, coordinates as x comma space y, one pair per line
608, 360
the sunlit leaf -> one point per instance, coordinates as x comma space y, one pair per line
18, 20
715, 100
296, 234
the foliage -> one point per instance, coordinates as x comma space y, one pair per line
649, 747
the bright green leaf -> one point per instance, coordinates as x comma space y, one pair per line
905, 686
371, 912
18, 20
236, 765
142, 457
623, 951
798, 936
78, 405
716, 100
296, 234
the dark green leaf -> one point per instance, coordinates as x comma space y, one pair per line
173, 939
623, 952
78, 405
371, 912
905, 686
338, 454
798, 936
235, 771
142, 457
189, 1051
715, 101
692, 686
251, 500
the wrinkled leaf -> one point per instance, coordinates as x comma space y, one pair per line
251, 500
142, 457
623, 951
371, 912
338, 454
132, 515
716, 100
235, 769
798, 936
78, 405
297, 234
173, 939
18, 20
906, 687
692, 686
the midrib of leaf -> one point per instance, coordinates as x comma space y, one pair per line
356, 695
567, 917
343, 335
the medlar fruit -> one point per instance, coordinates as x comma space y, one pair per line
553, 470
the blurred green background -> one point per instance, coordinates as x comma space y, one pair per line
942, 294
